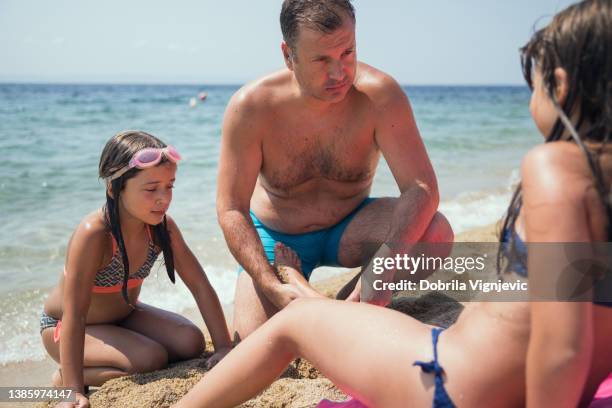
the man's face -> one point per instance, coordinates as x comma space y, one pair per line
324, 64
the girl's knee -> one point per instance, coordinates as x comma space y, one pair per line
286, 326
149, 357
301, 308
299, 304
189, 341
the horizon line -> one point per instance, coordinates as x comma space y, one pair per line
229, 84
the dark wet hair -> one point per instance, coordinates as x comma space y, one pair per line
117, 154
322, 15
579, 40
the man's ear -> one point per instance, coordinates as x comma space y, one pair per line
287, 55
562, 87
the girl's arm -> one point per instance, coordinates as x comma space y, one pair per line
191, 272
84, 256
561, 338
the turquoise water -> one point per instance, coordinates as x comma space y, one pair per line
51, 137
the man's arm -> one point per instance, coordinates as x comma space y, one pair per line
239, 166
399, 140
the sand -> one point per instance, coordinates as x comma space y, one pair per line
301, 386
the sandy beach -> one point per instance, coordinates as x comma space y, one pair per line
301, 386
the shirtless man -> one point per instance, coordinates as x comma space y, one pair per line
298, 156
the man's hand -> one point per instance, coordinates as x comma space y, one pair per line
289, 283
281, 294
368, 294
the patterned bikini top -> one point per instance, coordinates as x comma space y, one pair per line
110, 278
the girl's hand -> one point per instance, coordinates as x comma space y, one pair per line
81, 402
218, 356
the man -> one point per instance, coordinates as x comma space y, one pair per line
298, 156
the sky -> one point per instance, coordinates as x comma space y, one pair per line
441, 42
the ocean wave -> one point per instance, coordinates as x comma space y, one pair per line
479, 208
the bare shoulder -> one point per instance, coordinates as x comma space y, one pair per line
92, 227
262, 95
556, 171
91, 236
380, 87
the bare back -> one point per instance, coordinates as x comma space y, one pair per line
504, 328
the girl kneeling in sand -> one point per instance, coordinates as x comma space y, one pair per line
93, 323
551, 354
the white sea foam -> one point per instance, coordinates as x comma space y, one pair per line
160, 292
479, 208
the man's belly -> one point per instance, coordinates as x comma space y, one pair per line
313, 206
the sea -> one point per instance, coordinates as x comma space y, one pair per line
51, 137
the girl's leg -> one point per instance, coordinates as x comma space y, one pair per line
365, 350
95, 376
111, 352
181, 338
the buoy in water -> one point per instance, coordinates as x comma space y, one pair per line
202, 95
192, 102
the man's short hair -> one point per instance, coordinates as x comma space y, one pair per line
321, 15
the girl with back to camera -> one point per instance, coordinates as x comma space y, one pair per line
93, 324
538, 354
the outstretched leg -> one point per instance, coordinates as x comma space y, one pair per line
339, 339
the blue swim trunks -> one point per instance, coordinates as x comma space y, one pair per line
317, 248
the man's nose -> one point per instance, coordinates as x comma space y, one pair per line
336, 70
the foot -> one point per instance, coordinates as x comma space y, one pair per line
287, 263
289, 266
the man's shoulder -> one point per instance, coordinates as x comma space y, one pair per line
263, 93
376, 84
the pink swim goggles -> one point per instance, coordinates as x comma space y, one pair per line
145, 158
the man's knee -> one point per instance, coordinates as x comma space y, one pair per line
439, 230
251, 307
